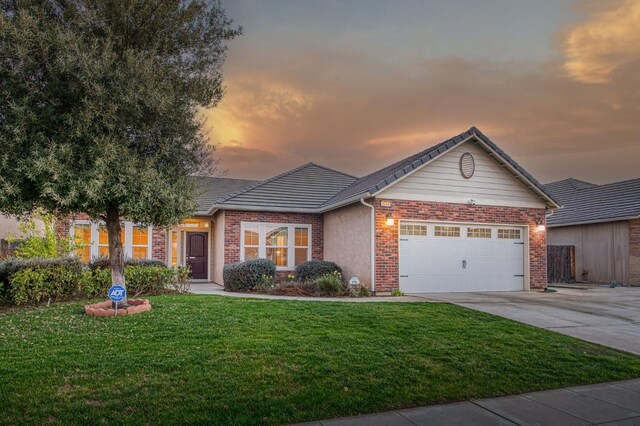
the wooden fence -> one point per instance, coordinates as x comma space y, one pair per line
561, 264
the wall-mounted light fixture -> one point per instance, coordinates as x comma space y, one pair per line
541, 227
390, 219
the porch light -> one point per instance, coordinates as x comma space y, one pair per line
541, 227
390, 219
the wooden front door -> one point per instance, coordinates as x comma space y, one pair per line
197, 257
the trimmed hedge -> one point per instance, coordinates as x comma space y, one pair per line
243, 276
313, 269
37, 280
104, 263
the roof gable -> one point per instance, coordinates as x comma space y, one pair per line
375, 182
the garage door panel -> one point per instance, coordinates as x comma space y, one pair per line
462, 263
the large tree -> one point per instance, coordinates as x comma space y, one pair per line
99, 107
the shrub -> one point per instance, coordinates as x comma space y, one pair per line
36, 243
245, 276
47, 280
309, 271
139, 280
11, 265
103, 262
359, 290
331, 284
181, 279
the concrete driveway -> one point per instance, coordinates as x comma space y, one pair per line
608, 316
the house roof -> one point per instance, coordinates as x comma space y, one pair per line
584, 202
304, 188
375, 182
316, 189
212, 188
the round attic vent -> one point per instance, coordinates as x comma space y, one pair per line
467, 165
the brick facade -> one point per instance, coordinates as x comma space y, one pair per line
634, 252
387, 261
233, 219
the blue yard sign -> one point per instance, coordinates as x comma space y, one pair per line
117, 293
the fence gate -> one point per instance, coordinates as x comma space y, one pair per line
561, 264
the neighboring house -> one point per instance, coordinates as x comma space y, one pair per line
459, 216
603, 223
10, 227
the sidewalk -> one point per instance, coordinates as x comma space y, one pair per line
616, 403
216, 289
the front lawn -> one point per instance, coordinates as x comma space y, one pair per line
222, 360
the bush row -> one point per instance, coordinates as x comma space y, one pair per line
313, 278
37, 280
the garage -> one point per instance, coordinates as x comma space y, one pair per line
453, 257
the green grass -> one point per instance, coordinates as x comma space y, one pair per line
221, 360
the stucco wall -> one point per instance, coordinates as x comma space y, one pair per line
217, 251
387, 260
347, 240
602, 249
9, 227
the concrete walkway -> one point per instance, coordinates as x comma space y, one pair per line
616, 403
216, 289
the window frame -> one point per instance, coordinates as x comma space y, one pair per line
127, 246
447, 229
263, 227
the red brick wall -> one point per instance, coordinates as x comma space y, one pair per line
634, 252
233, 219
387, 274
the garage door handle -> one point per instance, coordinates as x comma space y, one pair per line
464, 264
518, 275
404, 276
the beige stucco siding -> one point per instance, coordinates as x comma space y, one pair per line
602, 249
9, 227
217, 249
347, 240
442, 181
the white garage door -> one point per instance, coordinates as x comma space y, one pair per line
445, 257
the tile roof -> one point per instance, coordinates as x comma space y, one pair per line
304, 188
376, 181
314, 188
584, 202
213, 188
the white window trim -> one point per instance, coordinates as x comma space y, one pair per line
95, 238
262, 242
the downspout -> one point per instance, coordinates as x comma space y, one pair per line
373, 244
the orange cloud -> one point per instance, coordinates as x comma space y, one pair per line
604, 44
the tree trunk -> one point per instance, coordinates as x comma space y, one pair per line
116, 254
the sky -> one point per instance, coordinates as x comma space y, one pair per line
356, 85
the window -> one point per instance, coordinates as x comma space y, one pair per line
479, 232
251, 242
301, 246
406, 229
509, 234
93, 240
103, 240
277, 245
82, 240
447, 231
174, 248
140, 242
286, 245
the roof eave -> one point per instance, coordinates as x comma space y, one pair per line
591, 222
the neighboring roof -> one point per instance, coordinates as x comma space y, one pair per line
375, 182
303, 189
213, 188
584, 202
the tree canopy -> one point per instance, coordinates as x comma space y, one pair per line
99, 103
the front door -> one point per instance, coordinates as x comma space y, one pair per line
197, 254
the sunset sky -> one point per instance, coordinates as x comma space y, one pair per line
356, 85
